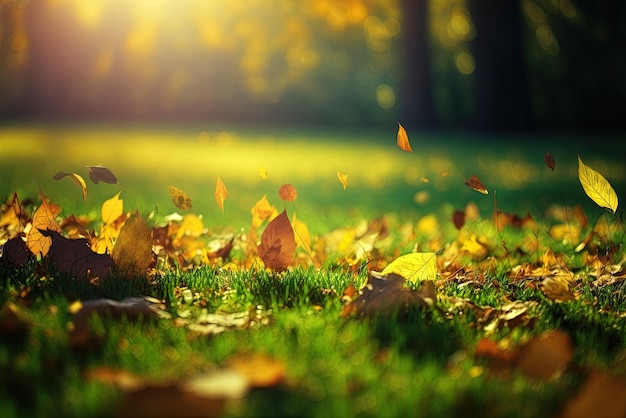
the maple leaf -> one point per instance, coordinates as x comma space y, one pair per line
343, 179
475, 183
403, 139
180, 199
221, 193
549, 160
77, 179
597, 187
74, 257
132, 253
43, 220
100, 173
288, 193
278, 244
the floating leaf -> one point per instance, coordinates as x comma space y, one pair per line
414, 267
77, 179
549, 160
99, 173
181, 199
403, 139
278, 244
132, 253
288, 193
263, 173
597, 187
221, 193
43, 220
475, 183
343, 178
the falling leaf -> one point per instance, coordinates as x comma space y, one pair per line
343, 179
458, 219
43, 220
288, 193
403, 139
414, 267
261, 211
220, 193
476, 184
597, 187
74, 257
181, 199
278, 244
549, 160
132, 253
99, 173
263, 173
77, 179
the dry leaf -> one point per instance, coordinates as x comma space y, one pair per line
549, 160
602, 395
545, 357
74, 257
597, 187
15, 252
181, 199
414, 267
220, 193
288, 193
43, 220
112, 209
261, 211
262, 371
475, 183
343, 179
403, 139
99, 173
77, 179
278, 245
132, 253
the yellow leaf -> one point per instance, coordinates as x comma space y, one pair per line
180, 199
77, 179
302, 234
414, 267
597, 187
191, 225
112, 209
343, 178
43, 219
403, 139
263, 173
220, 193
132, 253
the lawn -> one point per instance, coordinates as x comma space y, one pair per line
524, 316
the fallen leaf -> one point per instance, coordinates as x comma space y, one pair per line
597, 187
343, 179
77, 179
475, 183
220, 384
99, 173
261, 211
414, 267
602, 395
261, 371
112, 209
545, 357
74, 257
288, 193
220, 193
43, 220
15, 252
180, 199
549, 160
278, 244
132, 253
403, 139
301, 234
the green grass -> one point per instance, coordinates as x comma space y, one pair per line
415, 361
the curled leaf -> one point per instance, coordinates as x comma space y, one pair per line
221, 193
80, 182
100, 173
597, 187
288, 193
475, 183
403, 139
180, 199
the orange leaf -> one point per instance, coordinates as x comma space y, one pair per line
288, 193
403, 139
99, 173
475, 183
220, 193
278, 244
43, 219
181, 199
77, 179
343, 178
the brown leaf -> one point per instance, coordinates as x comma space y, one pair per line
546, 356
74, 257
475, 183
221, 193
80, 182
288, 193
602, 395
403, 139
549, 160
99, 173
43, 220
15, 252
458, 219
132, 253
181, 199
278, 244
